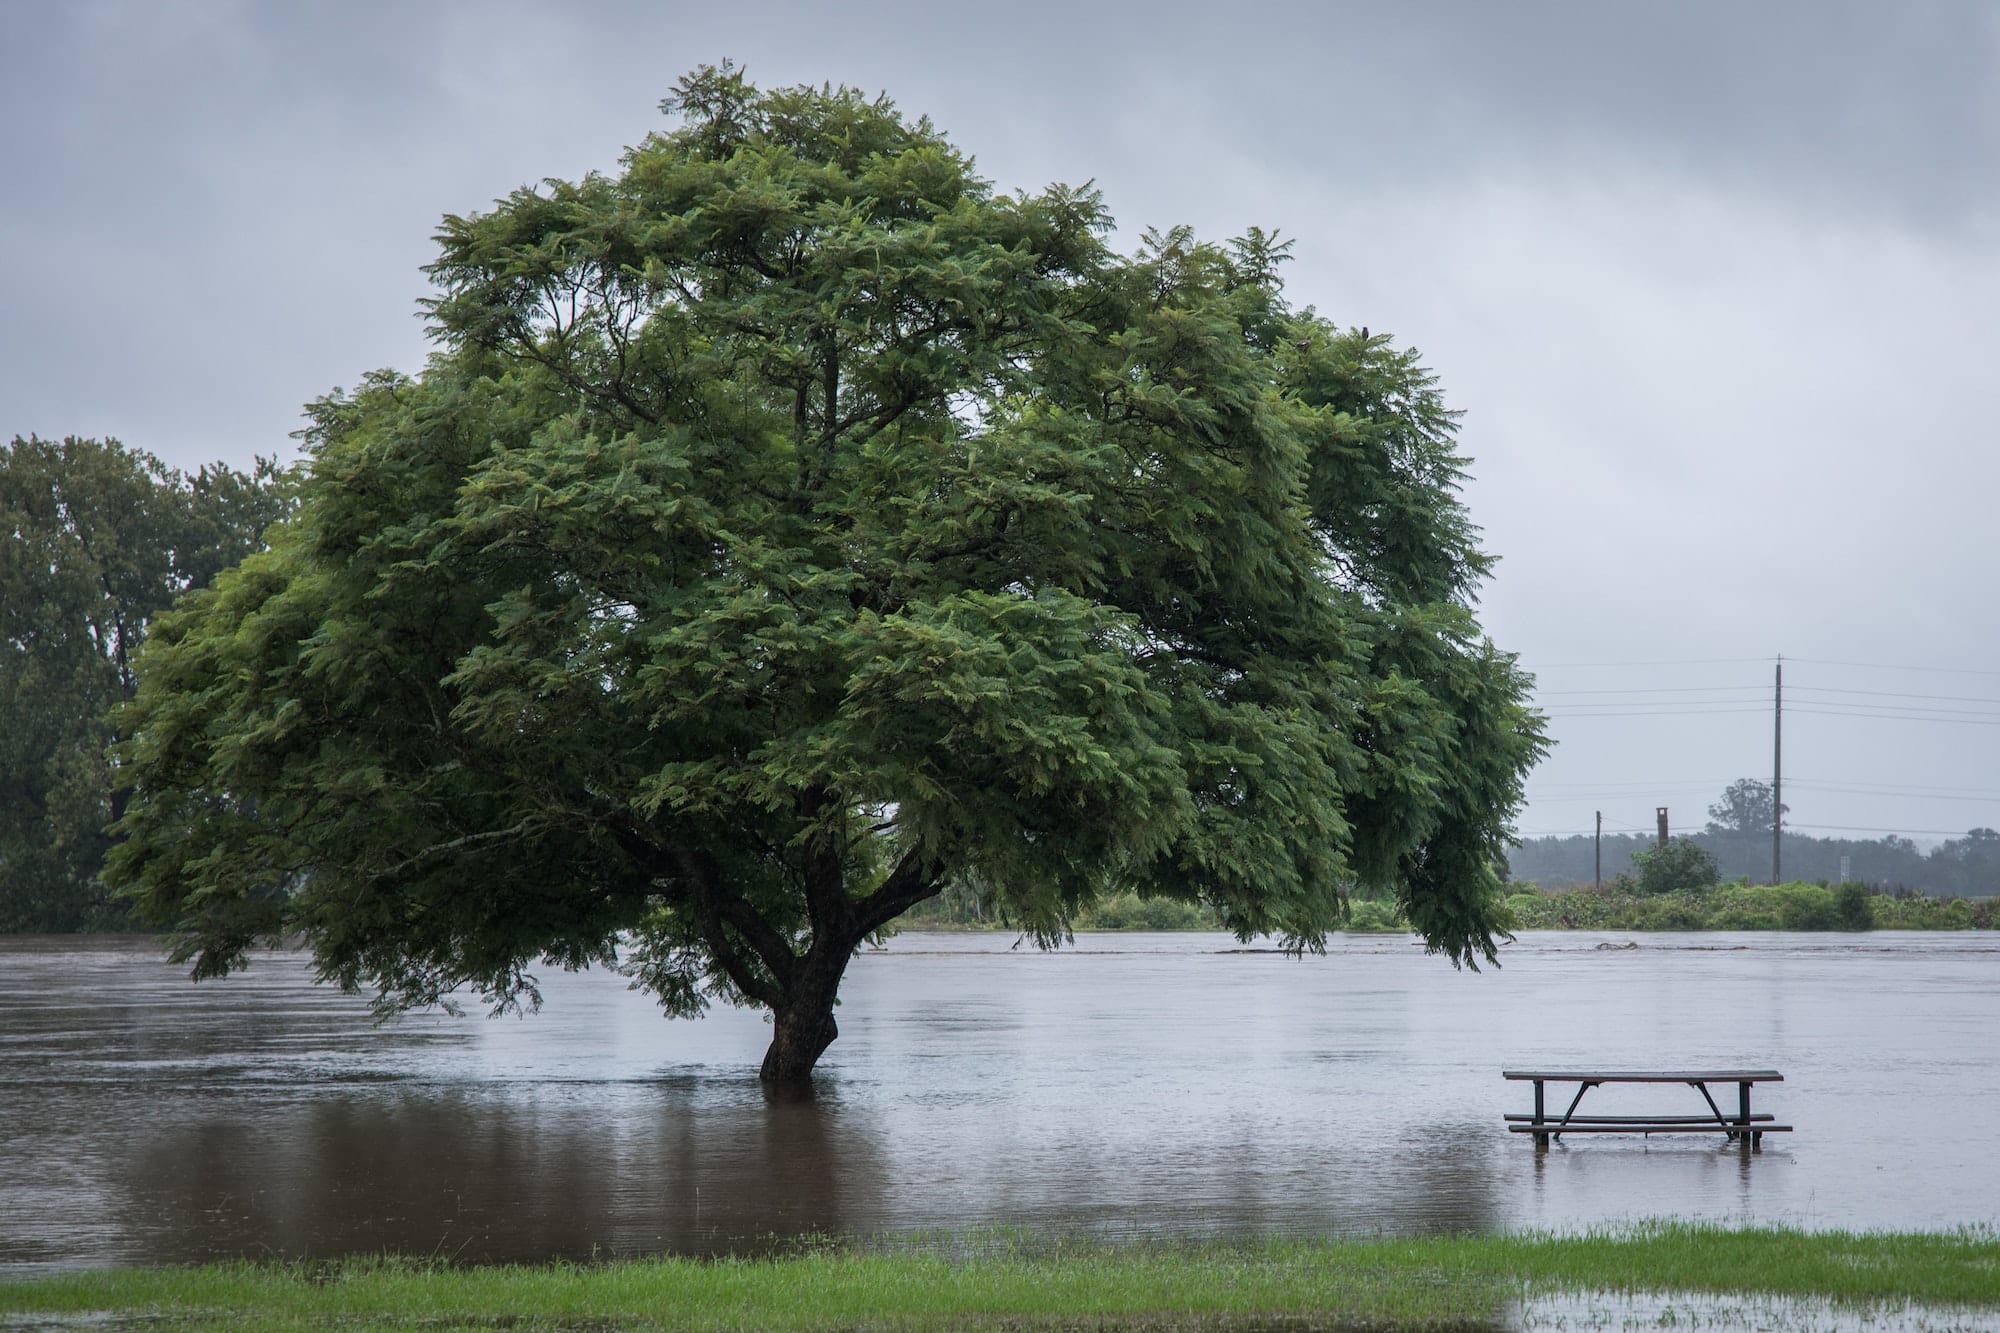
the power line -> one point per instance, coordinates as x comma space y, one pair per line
1614, 791
1887, 666
1638, 783
1688, 661
1661, 712
1854, 828
1679, 705
1636, 792
1734, 661
1899, 795
1859, 709
1569, 704
1636, 831
1664, 689
1611, 791
1899, 694
1752, 690
1972, 720
1865, 708
1892, 788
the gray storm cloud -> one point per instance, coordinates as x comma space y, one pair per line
1713, 284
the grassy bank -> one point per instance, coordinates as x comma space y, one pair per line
1433, 1282
1795, 906
1118, 911
1617, 906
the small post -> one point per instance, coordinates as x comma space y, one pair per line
1660, 813
1597, 855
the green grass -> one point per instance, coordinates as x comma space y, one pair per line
1391, 1283
1617, 906
1735, 906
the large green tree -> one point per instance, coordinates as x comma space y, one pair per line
95, 539
1746, 809
790, 524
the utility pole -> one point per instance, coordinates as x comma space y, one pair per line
1660, 813
1597, 854
1778, 775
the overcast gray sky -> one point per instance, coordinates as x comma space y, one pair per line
1715, 285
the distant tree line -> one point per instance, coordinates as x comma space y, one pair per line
1738, 838
95, 540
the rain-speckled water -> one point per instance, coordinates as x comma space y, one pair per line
1132, 1084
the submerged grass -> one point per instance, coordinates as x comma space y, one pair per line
1442, 1282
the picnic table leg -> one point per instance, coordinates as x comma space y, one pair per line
1541, 1140
1722, 1122
1751, 1137
1585, 1087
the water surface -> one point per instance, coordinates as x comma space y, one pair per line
1131, 1085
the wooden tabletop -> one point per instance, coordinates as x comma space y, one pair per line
1648, 1076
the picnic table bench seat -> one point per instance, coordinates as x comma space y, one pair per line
1641, 1119
1643, 1127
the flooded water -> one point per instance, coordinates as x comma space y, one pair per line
1691, 1312
1133, 1084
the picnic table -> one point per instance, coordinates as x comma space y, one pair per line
1744, 1126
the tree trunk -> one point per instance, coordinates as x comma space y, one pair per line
801, 1030
802, 1025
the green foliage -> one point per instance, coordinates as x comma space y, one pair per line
1735, 906
1745, 809
1381, 916
1965, 865
957, 904
1681, 864
95, 539
1739, 837
1911, 911
790, 525
1129, 911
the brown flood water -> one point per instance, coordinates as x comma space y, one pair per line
1156, 1085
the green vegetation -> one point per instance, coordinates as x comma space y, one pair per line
1738, 837
95, 539
1432, 1282
790, 525
1623, 905
958, 907
1680, 864
1128, 911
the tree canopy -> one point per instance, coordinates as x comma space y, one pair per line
95, 538
1746, 808
790, 524
1678, 863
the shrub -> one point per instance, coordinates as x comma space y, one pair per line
1806, 907
1375, 915
1668, 913
1128, 911
1682, 863
1742, 916
1851, 909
